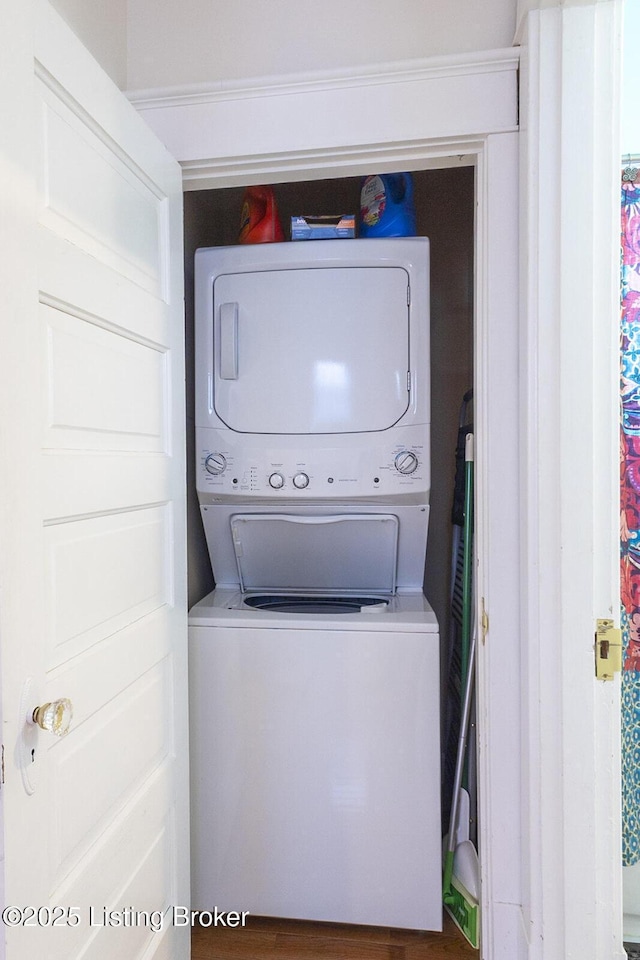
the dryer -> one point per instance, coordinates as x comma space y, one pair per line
314, 665
312, 373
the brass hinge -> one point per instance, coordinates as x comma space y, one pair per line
608, 650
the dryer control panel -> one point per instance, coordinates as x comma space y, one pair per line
390, 463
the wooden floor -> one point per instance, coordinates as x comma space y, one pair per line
271, 939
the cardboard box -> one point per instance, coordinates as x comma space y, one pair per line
325, 227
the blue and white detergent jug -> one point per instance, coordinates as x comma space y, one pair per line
386, 206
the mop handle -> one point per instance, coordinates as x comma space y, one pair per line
462, 739
468, 685
467, 563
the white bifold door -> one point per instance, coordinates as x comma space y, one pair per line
92, 558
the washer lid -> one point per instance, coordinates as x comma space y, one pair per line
316, 554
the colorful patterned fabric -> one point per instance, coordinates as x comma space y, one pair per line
630, 516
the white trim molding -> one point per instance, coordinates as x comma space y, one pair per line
498, 510
570, 369
237, 133
322, 163
488, 61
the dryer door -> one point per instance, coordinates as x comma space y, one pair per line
323, 350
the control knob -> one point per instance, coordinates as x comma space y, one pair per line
276, 480
406, 462
300, 481
215, 463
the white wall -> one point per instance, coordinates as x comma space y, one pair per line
631, 79
175, 42
102, 27
164, 43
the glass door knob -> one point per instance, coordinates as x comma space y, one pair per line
54, 717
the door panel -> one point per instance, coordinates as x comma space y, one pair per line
94, 195
96, 583
95, 821
107, 390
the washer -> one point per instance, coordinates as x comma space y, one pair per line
314, 665
315, 761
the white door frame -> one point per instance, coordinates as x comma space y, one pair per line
570, 486
548, 732
481, 96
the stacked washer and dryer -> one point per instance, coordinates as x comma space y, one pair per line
314, 664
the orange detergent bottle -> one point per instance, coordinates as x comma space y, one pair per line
259, 222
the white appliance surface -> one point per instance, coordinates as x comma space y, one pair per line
409, 611
312, 373
315, 762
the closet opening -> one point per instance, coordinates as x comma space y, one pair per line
445, 204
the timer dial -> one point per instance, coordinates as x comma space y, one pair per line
301, 480
215, 463
406, 462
